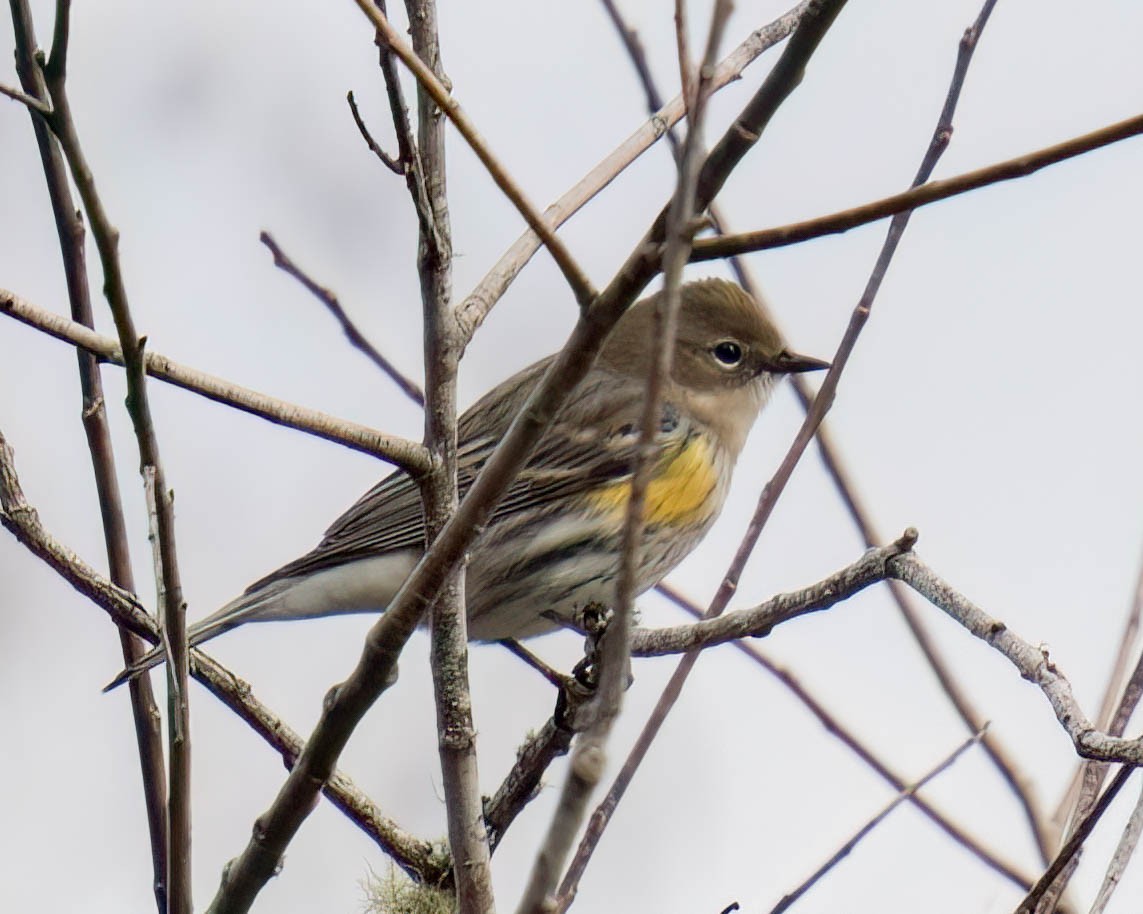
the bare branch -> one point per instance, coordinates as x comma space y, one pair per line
70, 231
580, 284
456, 732
757, 621
408, 455
387, 160
1033, 663
908, 793
34, 105
615, 649
409, 387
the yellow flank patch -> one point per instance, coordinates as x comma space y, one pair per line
679, 493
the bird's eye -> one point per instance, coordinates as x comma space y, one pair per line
728, 352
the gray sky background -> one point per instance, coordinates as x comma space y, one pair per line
993, 402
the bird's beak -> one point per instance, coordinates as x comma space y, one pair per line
790, 363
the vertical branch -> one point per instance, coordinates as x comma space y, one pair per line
424, 162
173, 610
70, 230
588, 758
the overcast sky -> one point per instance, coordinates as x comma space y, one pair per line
993, 402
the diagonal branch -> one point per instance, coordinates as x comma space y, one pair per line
909, 792
1033, 663
408, 455
577, 279
407, 385
922, 195
837, 727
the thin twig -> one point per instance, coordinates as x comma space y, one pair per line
408, 455
581, 286
70, 230
908, 793
34, 105
408, 386
389, 162
554, 676
416, 180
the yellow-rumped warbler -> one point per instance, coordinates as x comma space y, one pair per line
552, 545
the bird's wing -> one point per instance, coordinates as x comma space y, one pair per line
591, 442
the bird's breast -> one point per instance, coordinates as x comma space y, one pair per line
688, 486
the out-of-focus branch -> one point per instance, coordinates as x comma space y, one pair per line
1128, 841
836, 726
746, 130
1063, 859
413, 855
389, 162
408, 455
908, 793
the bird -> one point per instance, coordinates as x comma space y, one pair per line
552, 545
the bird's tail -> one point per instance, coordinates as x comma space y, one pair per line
251, 606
